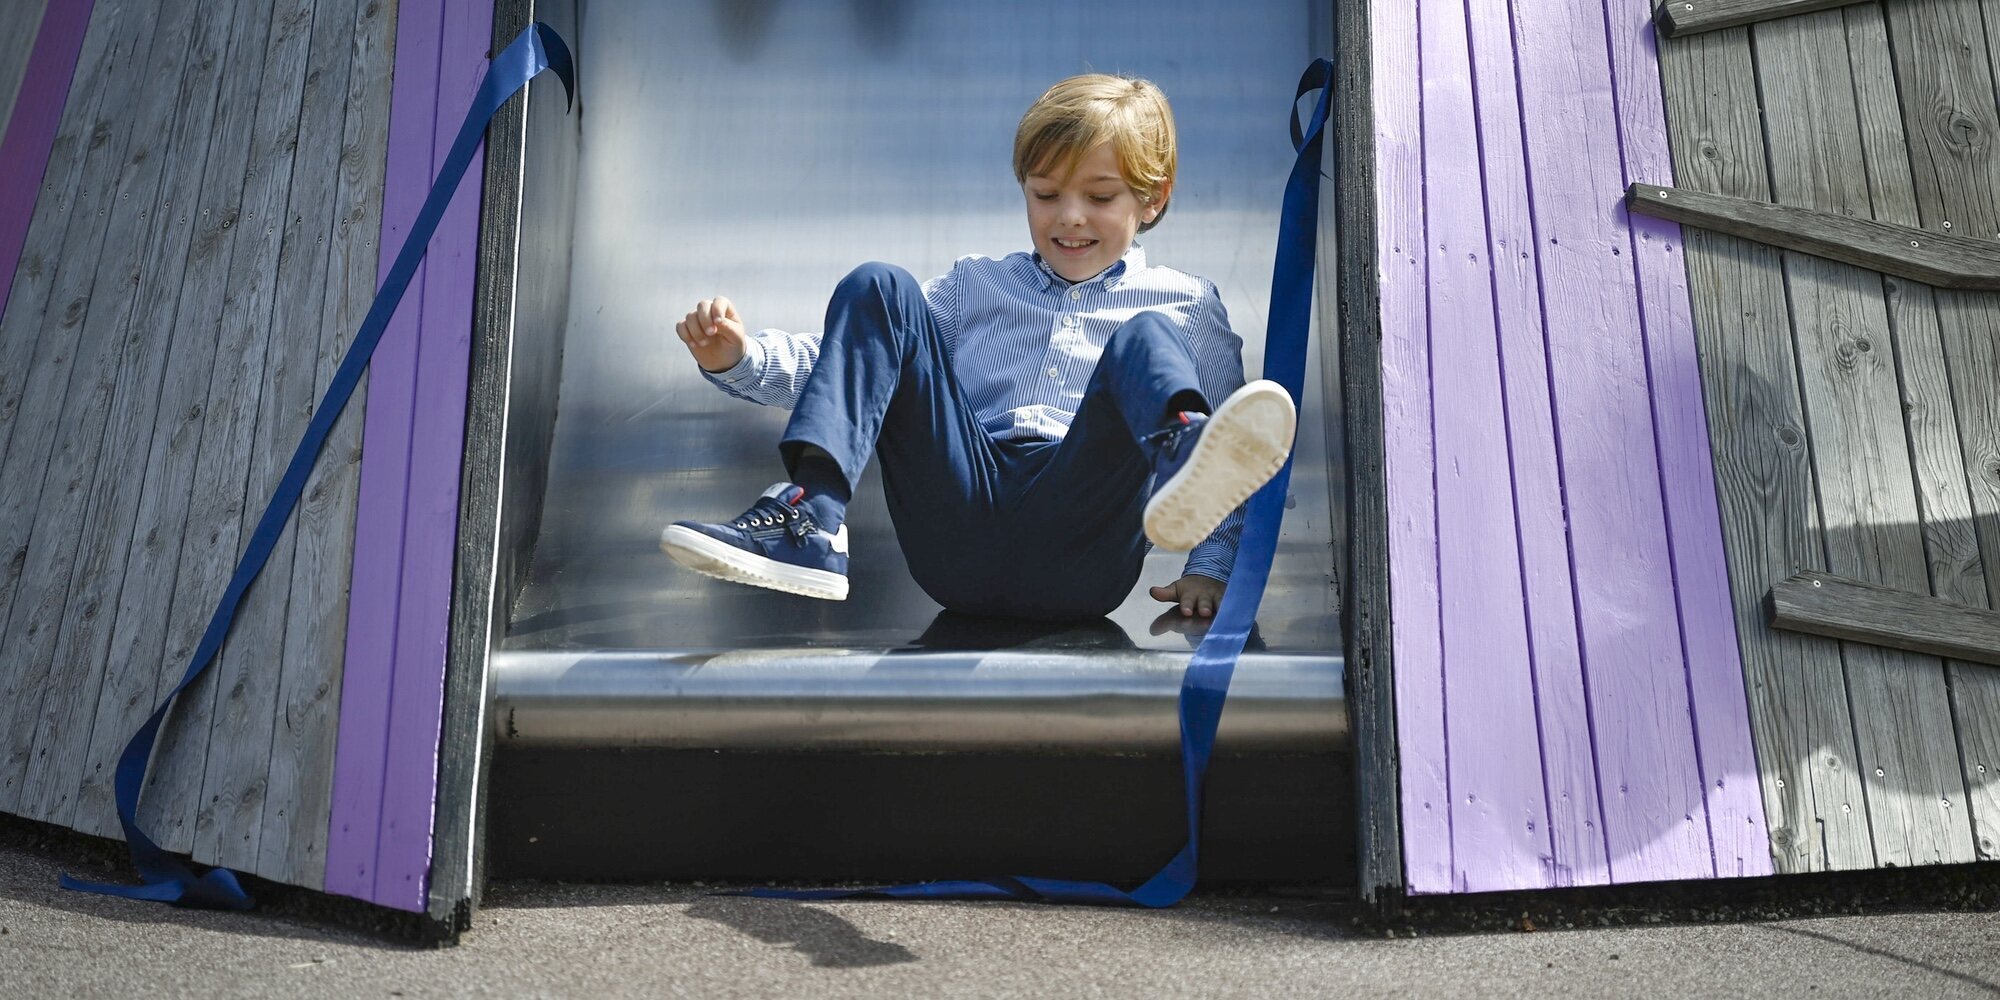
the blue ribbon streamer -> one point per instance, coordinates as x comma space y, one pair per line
167, 878
1206, 684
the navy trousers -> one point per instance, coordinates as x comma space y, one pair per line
1021, 528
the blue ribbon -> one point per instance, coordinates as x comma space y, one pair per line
167, 878
1206, 683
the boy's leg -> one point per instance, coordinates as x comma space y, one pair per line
883, 379
1092, 493
1129, 433
882, 374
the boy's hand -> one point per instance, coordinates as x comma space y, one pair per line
714, 334
1197, 595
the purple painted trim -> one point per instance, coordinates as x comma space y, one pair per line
1569, 767
1500, 829
1406, 424
1655, 816
1570, 698
31, 127
437, 445
1715, 681
361, 754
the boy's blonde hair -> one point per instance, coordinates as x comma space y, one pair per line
1083, 112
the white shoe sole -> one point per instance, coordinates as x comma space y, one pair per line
709, 557
1243, 446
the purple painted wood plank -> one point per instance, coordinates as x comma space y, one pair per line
31, 127
409, 794
1406, 428
1569, 766
360, 756
1655, 815
1687, 470
1499, 814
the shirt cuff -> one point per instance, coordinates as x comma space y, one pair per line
1211, 559
742, 376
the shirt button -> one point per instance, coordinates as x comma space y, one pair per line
1053, 372
1076, 293
1069, 321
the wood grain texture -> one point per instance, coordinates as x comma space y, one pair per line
1765, 491
1724, 753
302, 748
1942, 260
1655, 813
1855, 433
20, 23
237, 775
1686, 17
198, 203
1568, 763
213, 538
1500, 817
116, 707
41, 442
353, 831
437, 439
1366, 623
72, 549
32, 114
1825, 604
1943, 68
1407, 459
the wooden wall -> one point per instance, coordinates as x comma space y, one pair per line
203, 247
19, 24
1856, 417
1569, 704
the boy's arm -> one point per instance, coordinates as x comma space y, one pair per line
773, 369
1218, 357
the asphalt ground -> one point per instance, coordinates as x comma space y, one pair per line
602, 941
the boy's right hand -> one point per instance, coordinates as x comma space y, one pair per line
714, 334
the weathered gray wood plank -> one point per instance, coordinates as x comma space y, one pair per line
1770, 511
1943, 60
65, 557
149, 499
296, 809
214, 713
1859, 446
1951, 545
240, 752
21, 330
36, 446
141, 628
1686, 17
1825, 604
1943, 260
19, 23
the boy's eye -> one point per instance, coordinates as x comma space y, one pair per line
1102, 199
1045, 196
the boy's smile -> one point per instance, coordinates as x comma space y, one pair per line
1084, 222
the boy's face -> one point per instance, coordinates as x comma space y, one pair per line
1084, 222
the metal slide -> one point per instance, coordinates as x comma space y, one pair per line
760, 149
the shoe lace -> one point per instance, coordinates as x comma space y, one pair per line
770, 512
1167, 442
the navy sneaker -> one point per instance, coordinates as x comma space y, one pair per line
1205, 466
780, 542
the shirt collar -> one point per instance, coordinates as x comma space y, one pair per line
1134, 260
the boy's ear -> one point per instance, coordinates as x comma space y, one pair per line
1158, 203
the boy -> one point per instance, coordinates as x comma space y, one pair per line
1020, 407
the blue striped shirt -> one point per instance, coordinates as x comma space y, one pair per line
1024, 341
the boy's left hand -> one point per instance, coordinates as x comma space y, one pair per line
1197, 595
